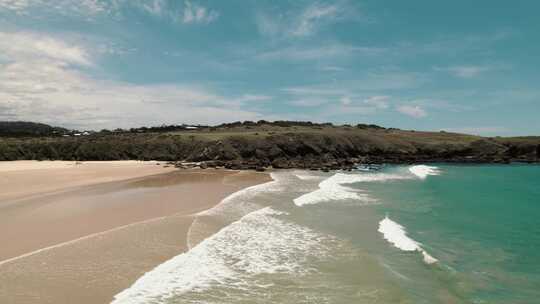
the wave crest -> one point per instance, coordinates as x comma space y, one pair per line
395, 234
423, 171
335, 188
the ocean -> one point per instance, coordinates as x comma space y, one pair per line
402, 234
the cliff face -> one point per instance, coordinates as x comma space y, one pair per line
343, 151
312, 147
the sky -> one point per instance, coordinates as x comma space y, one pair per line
462, 66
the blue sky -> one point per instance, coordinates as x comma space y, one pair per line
465, 66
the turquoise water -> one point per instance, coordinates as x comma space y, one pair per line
481, 222
440, 234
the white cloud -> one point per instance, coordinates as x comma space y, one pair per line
79, 8
370, 83
345, 100
194, 13
378, 101
29, 46
312, 17
14, 5
47, 86
303, 23
312, 90
189, 13
308, 102
413, 111
465, 71
335, 102
154, 7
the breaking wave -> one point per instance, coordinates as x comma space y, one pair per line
395, 234
335, 188
258, 243
423, 171
231, 208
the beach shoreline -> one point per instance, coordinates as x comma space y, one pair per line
89, 240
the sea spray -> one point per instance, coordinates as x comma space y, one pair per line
423, 171
395, 234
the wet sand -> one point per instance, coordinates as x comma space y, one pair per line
84, 244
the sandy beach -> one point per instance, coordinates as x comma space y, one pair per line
51, 176
80, 233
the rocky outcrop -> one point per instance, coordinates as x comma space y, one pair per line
330, 149
288, 151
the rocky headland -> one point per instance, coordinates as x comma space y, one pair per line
280, 145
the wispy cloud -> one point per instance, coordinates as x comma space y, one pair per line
412, 111
18, 6
304, 22
308, 102
303, 53
194, 13
331, 68
465, 71
80, 8
313, 16
30, 47
333, 102
188, 13
378, 101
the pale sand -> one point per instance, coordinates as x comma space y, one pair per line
102, 237
19, 179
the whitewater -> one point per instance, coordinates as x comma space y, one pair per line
395, 234
337, 187
263, 240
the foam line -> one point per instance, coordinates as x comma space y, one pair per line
86, 237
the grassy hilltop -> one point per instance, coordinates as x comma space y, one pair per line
279, 144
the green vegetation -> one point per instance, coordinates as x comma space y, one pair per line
281, 144
23, 128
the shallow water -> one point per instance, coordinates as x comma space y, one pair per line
425, 234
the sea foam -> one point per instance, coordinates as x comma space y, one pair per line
395, 234
335, 188
423, 171
232, 208
306, 176
258, 243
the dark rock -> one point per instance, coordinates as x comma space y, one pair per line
281, 163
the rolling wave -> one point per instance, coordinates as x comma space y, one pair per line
335, 188
423, 171
395, 234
